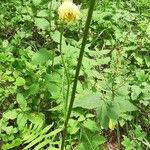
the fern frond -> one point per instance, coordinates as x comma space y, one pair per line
37, 138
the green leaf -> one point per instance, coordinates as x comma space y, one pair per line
5, 43
104, 52
20, 81
81, 146
124, 105
89, 101
147, 60
42, 144
46, 129
128, 143
105, 60
21, 120
36, 2
3, 57
56, 36
91, 125
10, 114
9, 130
102, 115
33, 89
136, 90
41, 23
98, 140
16, 142
42, 13
112, 113
52, 87
36, 118
54, 133
21, 101
34, 142
41, 57
140, 74
73, 126
139, 60
30, 136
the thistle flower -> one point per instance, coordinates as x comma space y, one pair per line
68, 11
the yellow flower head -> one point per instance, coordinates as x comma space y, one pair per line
68, 11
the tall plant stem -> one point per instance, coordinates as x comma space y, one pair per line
50, 14
118, 136
86, 30
50, 19
66, 71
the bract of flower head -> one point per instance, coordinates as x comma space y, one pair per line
68, 11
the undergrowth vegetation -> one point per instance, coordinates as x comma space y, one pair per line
112, 104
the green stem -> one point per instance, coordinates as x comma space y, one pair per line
50, 14
118, 136
50, 18
86, 30
66, 71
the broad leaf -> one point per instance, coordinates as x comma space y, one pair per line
91, 125
90, 101
102, 115
42, 23
41, 57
